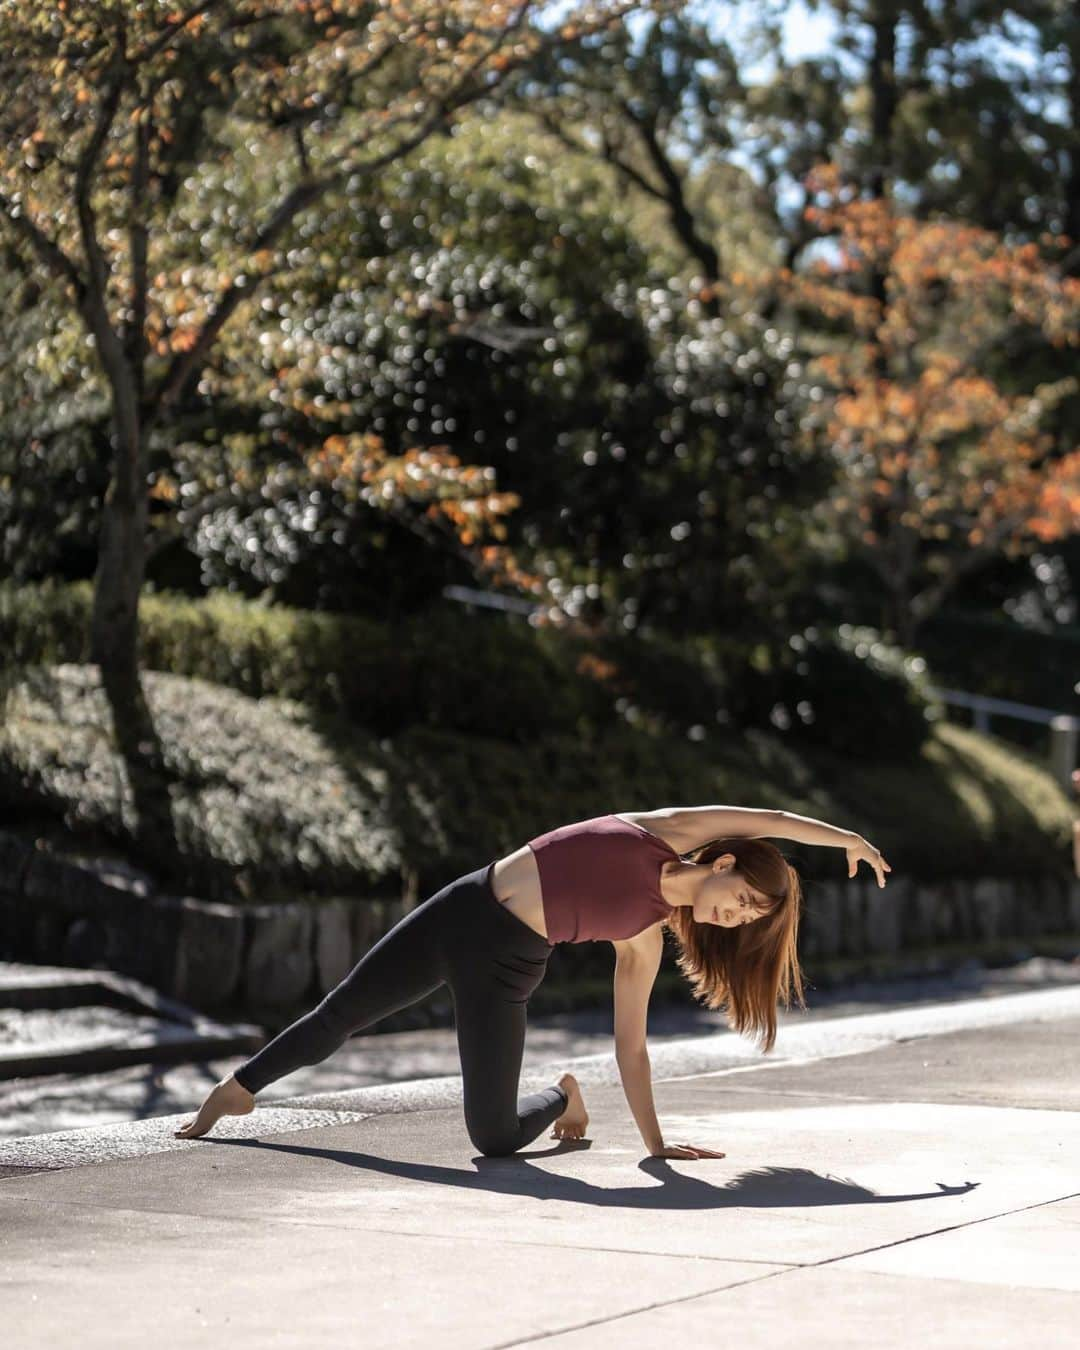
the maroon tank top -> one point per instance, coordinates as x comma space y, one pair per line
600, 878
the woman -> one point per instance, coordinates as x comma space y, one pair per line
704, 872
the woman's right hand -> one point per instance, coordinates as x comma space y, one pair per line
861, 851
685, 1151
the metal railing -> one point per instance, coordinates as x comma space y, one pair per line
1064, 728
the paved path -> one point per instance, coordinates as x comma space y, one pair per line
902, 1178
70, 1101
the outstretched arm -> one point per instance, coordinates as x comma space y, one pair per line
687, 828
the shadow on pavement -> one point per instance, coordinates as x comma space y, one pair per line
763, 1188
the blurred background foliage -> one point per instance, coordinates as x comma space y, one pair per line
566, 325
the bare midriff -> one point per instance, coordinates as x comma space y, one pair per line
515, 881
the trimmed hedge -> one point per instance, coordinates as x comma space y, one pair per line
268, 799
473, 673
485, 675
847, 691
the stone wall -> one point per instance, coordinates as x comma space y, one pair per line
857, 917
270, 962
261, 961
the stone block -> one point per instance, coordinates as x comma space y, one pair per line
11, 939
134, 942
84, 944
943, 919
828, 910
1030, 906
1039, 905
1057, 903
7, 926
151, 944
15, 855
48, 927
278, 965
989, 907
852, 894
333, 943
210, 953
808, 926
962, 909
51, 880
884, 911
918, 917
1016, 919
113, 901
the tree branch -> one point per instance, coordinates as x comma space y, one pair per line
107, 109
170, 31
927, 601
51, 254
681, 216
185, 364
138, 232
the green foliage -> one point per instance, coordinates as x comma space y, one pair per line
983, 807
446, 667
253, 792
455, 670
267, 799
479, 300
1004, 659
846, 689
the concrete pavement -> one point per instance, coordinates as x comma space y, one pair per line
75, 1101
910, 1177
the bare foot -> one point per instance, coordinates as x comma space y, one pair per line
228, 1098
574, 1121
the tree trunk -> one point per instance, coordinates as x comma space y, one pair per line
114, 638
119, 576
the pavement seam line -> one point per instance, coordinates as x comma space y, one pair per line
786, 1270
632, 1312
949, 1228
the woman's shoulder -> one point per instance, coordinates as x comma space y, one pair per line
655, 823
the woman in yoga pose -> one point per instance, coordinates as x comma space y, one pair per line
706, 873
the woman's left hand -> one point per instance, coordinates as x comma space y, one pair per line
861, 851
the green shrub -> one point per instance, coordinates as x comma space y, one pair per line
448, 668
847, 690
248, 794
44, 624
268, 799
664, 685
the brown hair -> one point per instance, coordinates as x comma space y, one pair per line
750, 966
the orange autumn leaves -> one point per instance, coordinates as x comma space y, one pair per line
433, 481
927, 440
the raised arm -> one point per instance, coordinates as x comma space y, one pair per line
686, 828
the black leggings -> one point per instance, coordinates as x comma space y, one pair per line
462, 937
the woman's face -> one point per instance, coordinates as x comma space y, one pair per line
726, 898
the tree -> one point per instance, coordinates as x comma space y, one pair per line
127, 134
942, 465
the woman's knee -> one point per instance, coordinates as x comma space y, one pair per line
495, 1142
